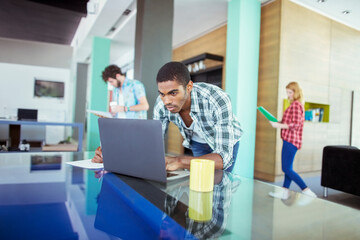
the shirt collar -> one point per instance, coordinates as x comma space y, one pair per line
194, 100
126, 80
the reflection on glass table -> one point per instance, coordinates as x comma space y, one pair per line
73, 203
39, 162
125, 212
42, 198
203, 214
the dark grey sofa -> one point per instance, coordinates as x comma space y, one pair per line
341, 169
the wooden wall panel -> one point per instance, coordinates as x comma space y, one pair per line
174, 140
305, 45
213, 42
265, 147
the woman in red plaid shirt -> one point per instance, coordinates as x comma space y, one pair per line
291, 127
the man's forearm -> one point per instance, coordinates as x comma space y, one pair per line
185, 160
139, 107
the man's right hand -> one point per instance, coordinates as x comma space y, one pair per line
98, 158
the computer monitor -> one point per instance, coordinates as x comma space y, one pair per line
27, 114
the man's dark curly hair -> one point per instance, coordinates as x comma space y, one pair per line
110, 72
174, 71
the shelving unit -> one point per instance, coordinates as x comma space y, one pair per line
206, 67
309, 106
325, 107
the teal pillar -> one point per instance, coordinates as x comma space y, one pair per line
97, 89
242, 63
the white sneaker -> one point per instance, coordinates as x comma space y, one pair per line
283, 194
309, 193
304, 200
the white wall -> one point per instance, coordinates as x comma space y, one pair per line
35, 53
22, 61
355, 134
17, 91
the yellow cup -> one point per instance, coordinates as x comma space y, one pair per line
202, 175
200, 206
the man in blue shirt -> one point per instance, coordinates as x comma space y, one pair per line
203, 114
128, 94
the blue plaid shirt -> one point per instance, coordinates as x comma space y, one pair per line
211, 110
132, 90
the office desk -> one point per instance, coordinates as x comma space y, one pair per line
44, 198
17, 124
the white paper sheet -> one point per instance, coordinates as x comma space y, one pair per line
87, 164
101, 113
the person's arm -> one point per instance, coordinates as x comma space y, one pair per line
222, 154
224, 138
296, 118
142, 106
174, 163
279, 125
140, 95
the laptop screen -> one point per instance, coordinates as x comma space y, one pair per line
133, 147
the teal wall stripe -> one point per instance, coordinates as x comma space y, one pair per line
97, 89
242, 63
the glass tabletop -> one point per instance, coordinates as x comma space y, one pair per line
42, 197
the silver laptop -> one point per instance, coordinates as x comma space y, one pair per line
135, 148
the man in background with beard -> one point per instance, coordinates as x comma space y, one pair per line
128, 98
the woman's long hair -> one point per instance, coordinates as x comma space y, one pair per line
298, 95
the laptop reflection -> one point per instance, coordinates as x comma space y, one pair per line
131, 208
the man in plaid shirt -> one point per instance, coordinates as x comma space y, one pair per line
203, 114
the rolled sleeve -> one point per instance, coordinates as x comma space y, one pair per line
139, 90
224, 132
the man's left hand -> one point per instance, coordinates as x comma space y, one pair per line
172, 163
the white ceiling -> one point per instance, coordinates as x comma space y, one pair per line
193, 18
333, 9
